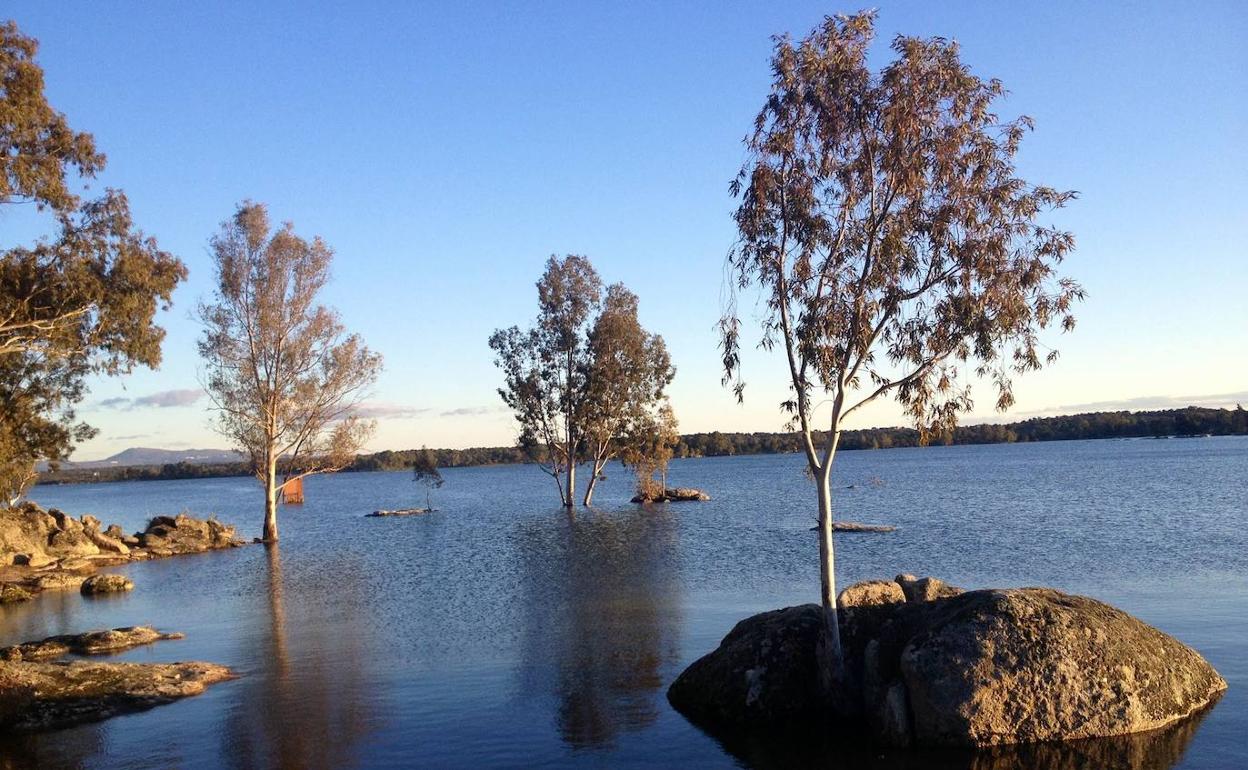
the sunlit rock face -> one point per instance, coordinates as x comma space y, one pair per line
949, 668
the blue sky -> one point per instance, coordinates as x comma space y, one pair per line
445, 150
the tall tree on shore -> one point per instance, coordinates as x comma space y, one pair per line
545, 368
629, 369
898, 252
284, 375
79, 303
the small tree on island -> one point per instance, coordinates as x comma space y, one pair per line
649, 452
283, 374
82, 302
897, 250
425, 471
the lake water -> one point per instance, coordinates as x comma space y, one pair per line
502, 631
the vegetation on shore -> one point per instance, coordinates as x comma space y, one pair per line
1190, 421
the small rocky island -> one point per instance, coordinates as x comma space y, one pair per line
37, 693
928, 664
49, 549
399, 512
673, 495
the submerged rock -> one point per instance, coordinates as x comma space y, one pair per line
45, 696
950, 668
106, 584
400, 512
38, 695
90, 643
855, 526
11, 594
674, 495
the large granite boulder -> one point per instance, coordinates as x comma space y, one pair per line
764, 672
952, 668
1034, 664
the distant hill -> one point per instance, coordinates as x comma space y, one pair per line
150, 456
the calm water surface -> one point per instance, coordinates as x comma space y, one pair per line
502, 631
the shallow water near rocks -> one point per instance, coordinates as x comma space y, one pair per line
501, 631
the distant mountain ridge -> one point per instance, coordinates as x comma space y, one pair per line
152, 456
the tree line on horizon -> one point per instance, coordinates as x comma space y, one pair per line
1162, 423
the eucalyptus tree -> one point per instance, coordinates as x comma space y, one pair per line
629, 370
898, 251
545, 369
425, 471
284, 376
80, 302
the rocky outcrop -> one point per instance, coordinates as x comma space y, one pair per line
44, 550
674, 495
91, 643
106, 584
185, 534
937, 666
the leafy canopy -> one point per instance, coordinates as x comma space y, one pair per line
883, 218
82, 301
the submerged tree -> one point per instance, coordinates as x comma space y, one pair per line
629, 369
545, 368
282, 372
425, 471
81, 302
586, 379
899, 253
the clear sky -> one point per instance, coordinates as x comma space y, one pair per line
445, 150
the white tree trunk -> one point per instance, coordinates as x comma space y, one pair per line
569, 497
270, 500
832, 658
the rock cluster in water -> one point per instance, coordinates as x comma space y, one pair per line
49, 549
928, 664
39, 695
673, 495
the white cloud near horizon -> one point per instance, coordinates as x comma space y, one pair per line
160, 399
1142, 403
382, 410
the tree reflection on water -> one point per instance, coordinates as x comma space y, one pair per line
601, 618
309, 707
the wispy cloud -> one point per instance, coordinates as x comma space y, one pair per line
472, 411
160, 400
1213, 400
386, 411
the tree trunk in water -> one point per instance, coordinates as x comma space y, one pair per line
832, 659
569, 499
593, 481
270, 502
